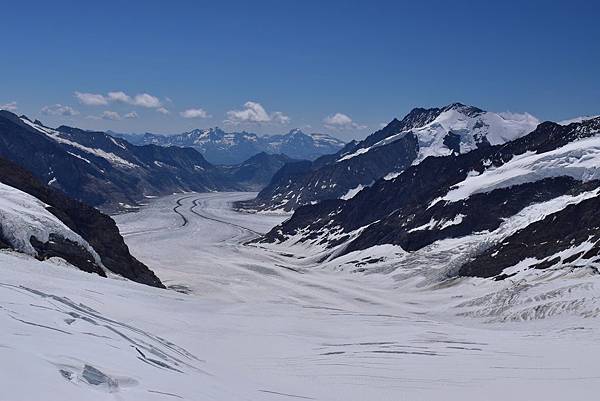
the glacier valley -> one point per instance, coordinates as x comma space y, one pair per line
245, 321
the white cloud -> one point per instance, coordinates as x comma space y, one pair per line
59, 110
254, 112
162, 110
131, 115
146, 100
10, 106
119, 96
141, 99
111, 115
338, 119
280, 118
194, 113
91, 99
341, 121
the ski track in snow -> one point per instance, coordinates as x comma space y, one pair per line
244, 322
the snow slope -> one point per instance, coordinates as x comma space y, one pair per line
247, 323
23, 216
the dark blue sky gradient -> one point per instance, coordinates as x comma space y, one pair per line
371, 60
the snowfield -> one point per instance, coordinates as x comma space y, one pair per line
245, 322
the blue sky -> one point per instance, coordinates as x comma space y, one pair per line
342, 67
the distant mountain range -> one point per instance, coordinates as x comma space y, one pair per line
450, 130
220, 147
112, 173
515, 203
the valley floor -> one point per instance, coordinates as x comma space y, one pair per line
243, 322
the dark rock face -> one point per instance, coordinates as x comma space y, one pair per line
542, 240
255, 173
220, 147
304, 184
98, 229
406, 210
452, 141
480, 212
103, 171
415, 188
417, 117
4, 244
69, 251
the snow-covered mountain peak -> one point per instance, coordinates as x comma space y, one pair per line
459, 129
455, 128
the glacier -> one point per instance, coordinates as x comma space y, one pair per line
246, 322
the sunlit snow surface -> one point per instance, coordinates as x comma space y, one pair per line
23, 216
496, 128
248, 323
